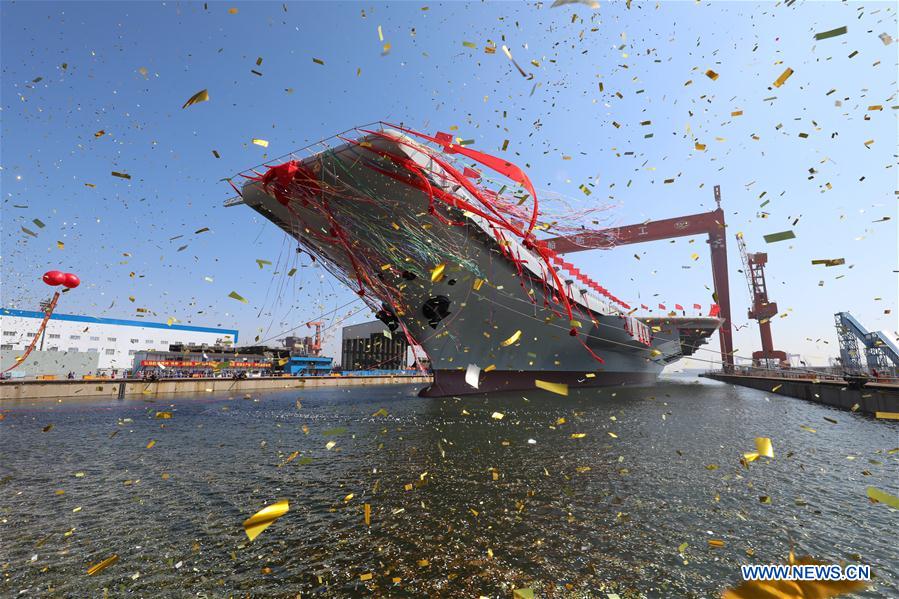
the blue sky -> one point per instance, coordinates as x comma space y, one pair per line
129, 67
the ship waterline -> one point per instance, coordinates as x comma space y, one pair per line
464, 291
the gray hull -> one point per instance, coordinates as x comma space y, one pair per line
485, 310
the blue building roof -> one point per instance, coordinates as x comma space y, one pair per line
127, 323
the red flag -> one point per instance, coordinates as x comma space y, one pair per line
714, 310
662, 307
644, 306
697, 307
678, 307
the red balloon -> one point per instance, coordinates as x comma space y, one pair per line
70, 280
53, 277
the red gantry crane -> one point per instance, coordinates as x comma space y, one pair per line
761, 310
708, 223
316, 348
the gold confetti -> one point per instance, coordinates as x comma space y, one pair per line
497, 415
381, 412
887, 415
783, 77
100, 133
711, 74
578, 435
763, 447
200, 96
232, 11
437, 272
883, 497
367, 514
514, 338
807, 428
60, 245
164, 415
238, 297
121, 175
260, 142
318, 61
476, 284
151, 443
364, 577
716, 543
264, 518
97, 568
557, 388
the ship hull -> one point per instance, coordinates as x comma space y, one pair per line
454, 291
453, 383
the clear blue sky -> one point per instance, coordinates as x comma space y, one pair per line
830, 181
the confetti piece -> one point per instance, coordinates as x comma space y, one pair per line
238, 297
262, 263
260, 142
364, 577
47, 428
764, 447
782, 236
880, 496
783, 77
887, 415
97, 568
807, 428
472, 374
522, 593
100, 133
318, 61
437, 272
232, 11
264, 518
515, 337
700, 147
367, 514
476, 284
832, 33
711, 74
151, 443
381, 412
497, 415
578, 435
886, 39
330, 445
557, 388
121, 175
163, 415
200, 96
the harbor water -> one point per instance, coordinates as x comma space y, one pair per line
612, 491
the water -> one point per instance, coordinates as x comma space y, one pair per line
566, 516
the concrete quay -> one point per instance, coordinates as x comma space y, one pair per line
870, 398
118, 388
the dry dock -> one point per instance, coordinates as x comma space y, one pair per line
33, 389
870, 398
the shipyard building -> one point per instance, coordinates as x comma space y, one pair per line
87, 344
372, 346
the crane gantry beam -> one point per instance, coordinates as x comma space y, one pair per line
706, 223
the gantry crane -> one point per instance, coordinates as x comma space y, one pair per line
880, 353
708, 223
316, 348
762, 310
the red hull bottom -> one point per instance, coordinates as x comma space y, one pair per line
452, 382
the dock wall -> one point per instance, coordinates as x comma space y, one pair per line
124, 387
871, 398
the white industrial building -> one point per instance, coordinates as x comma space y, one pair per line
113, 341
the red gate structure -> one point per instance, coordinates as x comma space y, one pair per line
709, 223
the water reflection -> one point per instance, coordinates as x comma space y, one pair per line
463, 504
